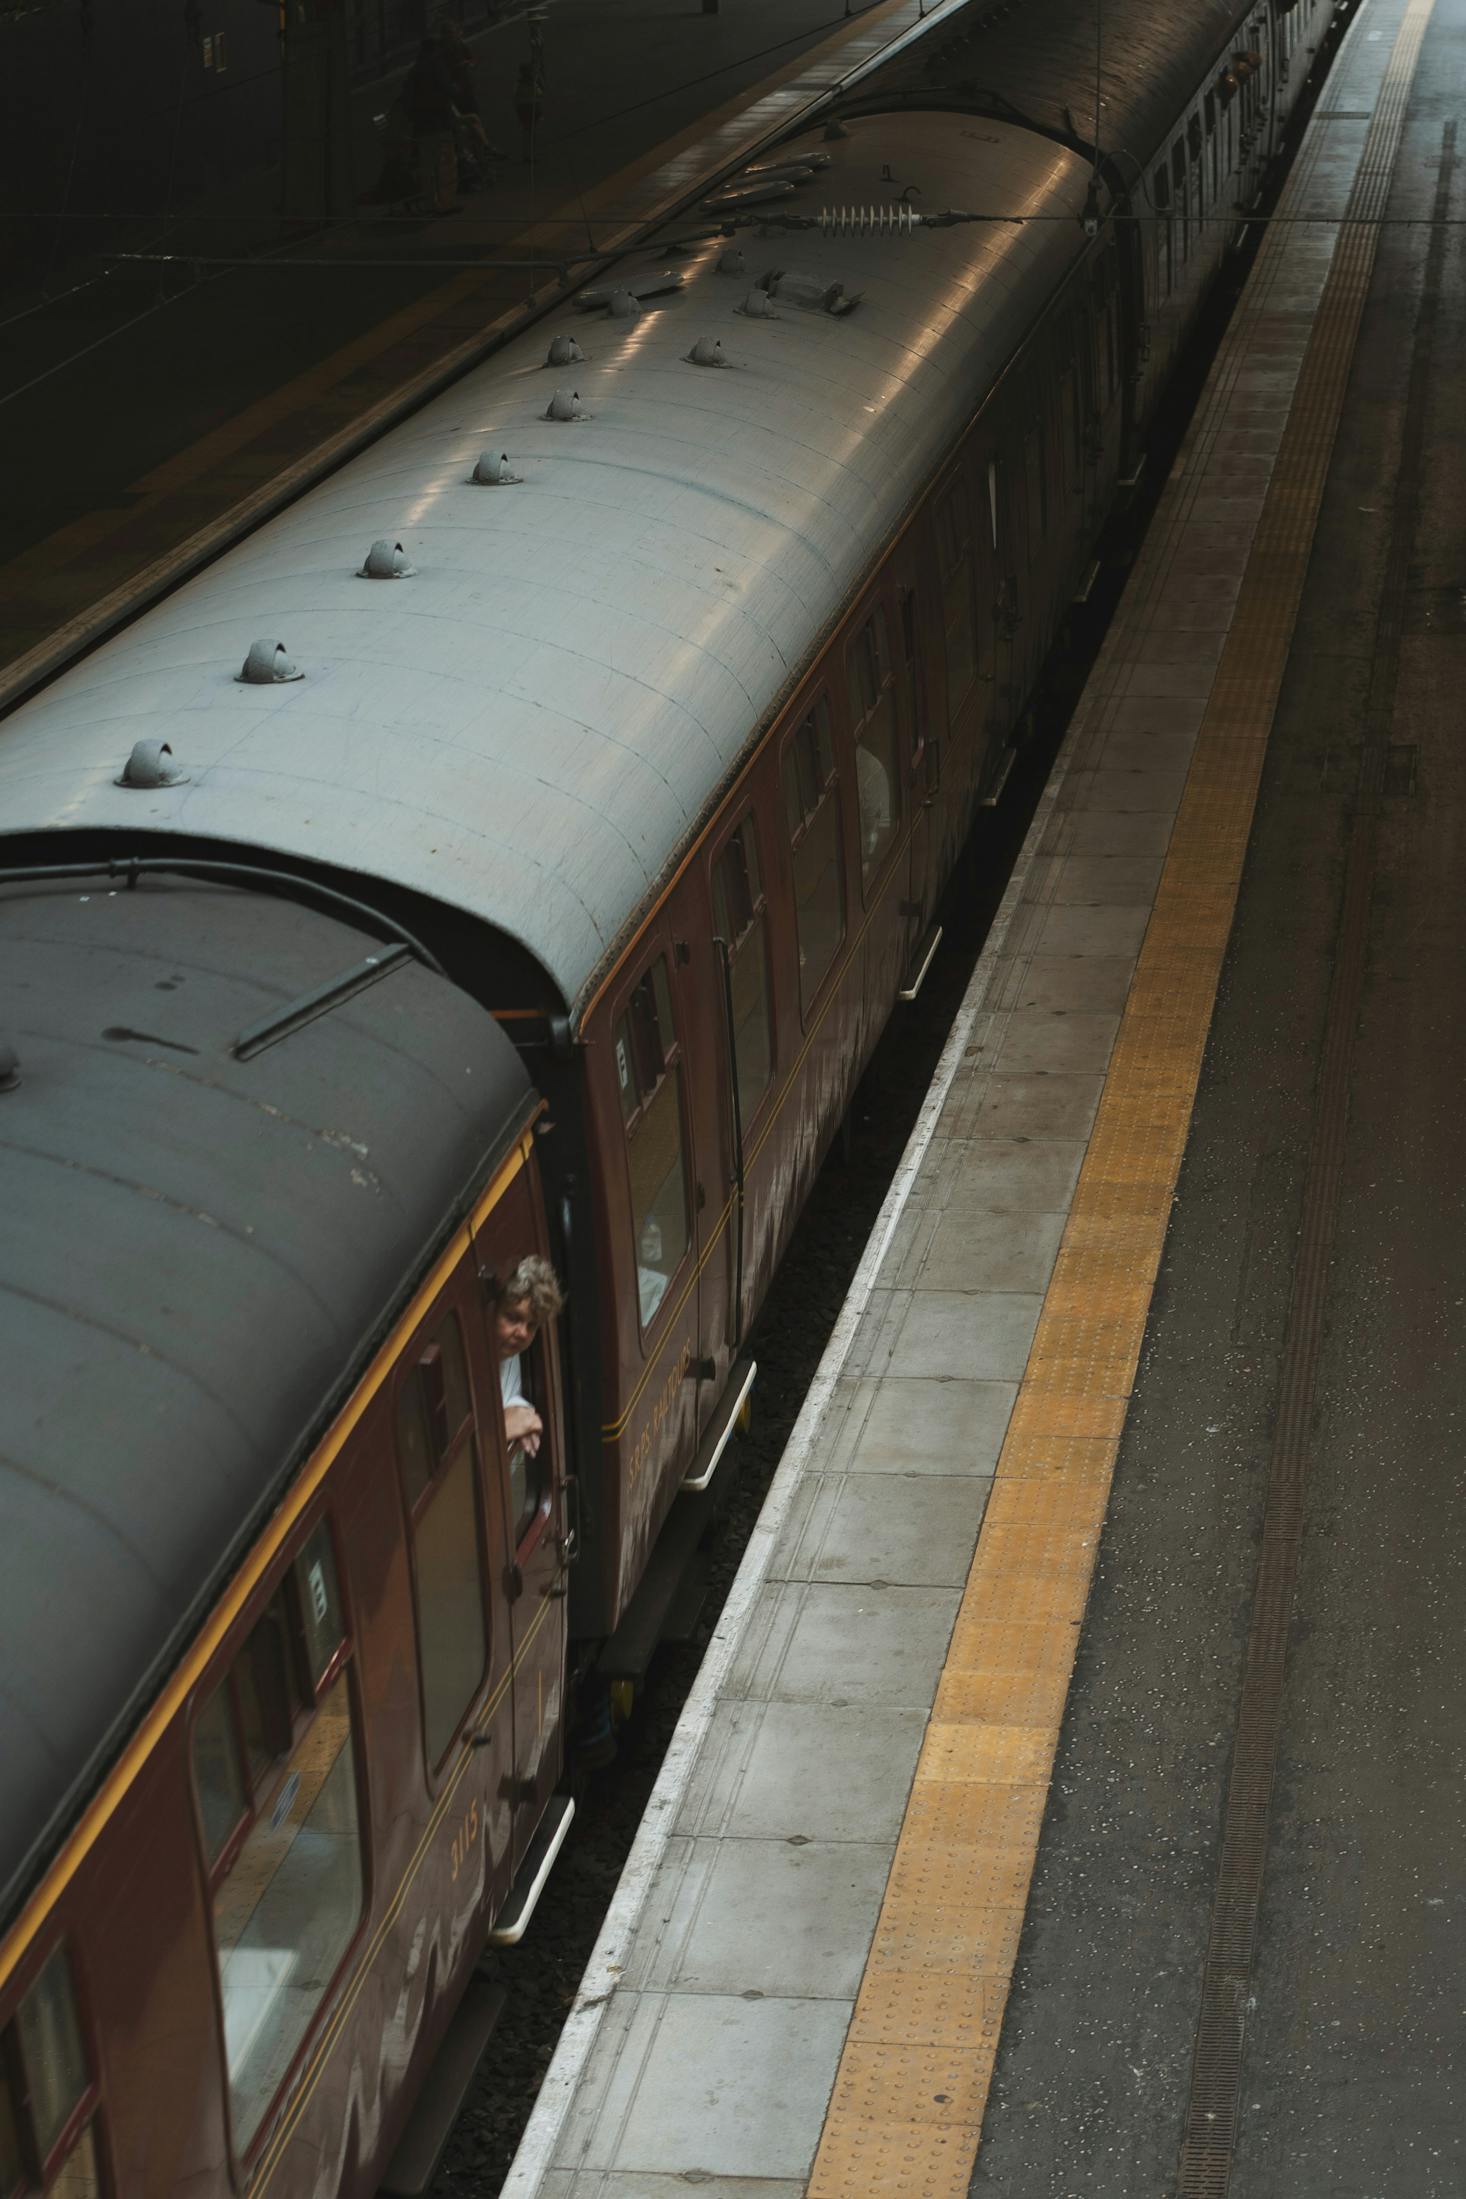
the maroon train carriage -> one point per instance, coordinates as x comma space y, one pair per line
551, 902
262, 1531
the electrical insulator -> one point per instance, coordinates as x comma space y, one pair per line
891, 219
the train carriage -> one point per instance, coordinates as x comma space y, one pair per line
517, 846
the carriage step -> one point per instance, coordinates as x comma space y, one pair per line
512, 1922
921, 963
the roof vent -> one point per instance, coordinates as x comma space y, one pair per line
9, 1066
641, 288
565, 405
751, 191
733, 263
799, 166
706, 352
495, 473
782, 171
148, 766
834, 129
564, 351
791, 287
759, 306
267, 664
625, 305
386, 561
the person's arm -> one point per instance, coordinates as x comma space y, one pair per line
523, 1425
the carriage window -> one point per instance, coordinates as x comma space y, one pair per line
51, 2049
872, 689
812, 810
529, 1471
287, 1896
739, 918
954, 556
1037, 488
915, 685
1178, 194
217, 1774
46, 2087
435, 1447
1160, 191
649, 1072
78, 2176
1070, 466
11, 2167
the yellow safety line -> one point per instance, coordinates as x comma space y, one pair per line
905, 2116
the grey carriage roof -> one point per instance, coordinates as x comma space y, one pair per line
197, 1253
531, 726
1038, 61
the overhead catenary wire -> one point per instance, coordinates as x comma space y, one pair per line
842, 220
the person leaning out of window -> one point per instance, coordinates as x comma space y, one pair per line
528, 1297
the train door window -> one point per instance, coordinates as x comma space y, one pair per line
12, 2166
48, 2097
812, 813
1178, 196
915, 686
529, 1460
1036, 490
1071, 430
1160, 192
739, 915
871, 684
954, 559
649, 1071
439, 1467
1213, 172
287, 1881
1193, 154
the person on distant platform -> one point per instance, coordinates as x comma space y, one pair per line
523, 1302
474, 149
529, 99
428, 95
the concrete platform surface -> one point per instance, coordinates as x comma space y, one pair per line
844, 1958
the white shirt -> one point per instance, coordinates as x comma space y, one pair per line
511, 1382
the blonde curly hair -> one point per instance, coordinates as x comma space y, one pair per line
531, 1282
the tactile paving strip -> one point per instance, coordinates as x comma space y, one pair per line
905, 2116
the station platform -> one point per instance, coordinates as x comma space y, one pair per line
227, 384
1069, 1801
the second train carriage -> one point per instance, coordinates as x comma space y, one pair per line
664, 750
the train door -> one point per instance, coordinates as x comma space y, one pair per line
530, 1473
1089, 428
876, 717
973, 708
444, 1430
739, 873
711, 1316
921, 745
673, 1203
1003, 515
